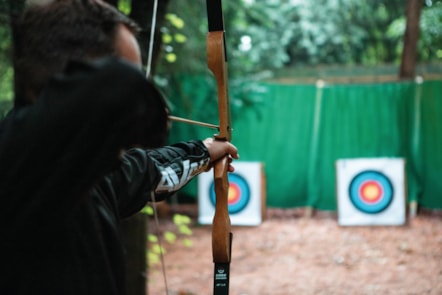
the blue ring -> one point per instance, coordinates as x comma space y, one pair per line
244, 197
356, 198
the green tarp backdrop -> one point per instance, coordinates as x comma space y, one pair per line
299, 131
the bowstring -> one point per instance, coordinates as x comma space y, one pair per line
154, 205
160, 243
151, 38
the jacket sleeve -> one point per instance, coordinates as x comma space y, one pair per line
159, 172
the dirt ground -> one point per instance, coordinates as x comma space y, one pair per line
291, 254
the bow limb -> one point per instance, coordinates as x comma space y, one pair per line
221, 235
216, 60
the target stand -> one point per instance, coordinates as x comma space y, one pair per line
371, 191
246, 195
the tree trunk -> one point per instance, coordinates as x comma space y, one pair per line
411, 37
135, 228
134, 237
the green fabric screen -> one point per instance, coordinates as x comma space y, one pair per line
299, 131
428, 159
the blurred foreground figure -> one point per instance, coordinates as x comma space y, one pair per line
81, 150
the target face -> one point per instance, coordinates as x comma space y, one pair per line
239, 193
245, 197
371, 192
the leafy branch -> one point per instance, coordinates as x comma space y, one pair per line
182, 232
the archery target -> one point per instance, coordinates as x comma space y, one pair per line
371, 191
239, 193
244, 197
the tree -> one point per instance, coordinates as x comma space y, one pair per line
135, 228
411, 37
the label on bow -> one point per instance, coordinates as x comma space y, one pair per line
221, 279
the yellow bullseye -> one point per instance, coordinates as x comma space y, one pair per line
371, 192
234, 194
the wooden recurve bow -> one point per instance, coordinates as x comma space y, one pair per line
221, 235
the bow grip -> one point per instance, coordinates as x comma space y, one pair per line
221, 220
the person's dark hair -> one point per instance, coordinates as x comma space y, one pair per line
50, 35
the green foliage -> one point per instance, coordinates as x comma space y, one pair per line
124, 6
264, 37
325, 32
430, 41
172, 37
184, 55
9, 9
182, 232
148, 210
6, 70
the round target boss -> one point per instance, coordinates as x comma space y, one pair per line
371, 192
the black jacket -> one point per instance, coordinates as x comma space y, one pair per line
65, 183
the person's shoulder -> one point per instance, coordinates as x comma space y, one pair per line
104, 64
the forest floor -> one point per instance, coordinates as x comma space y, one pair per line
290, 254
